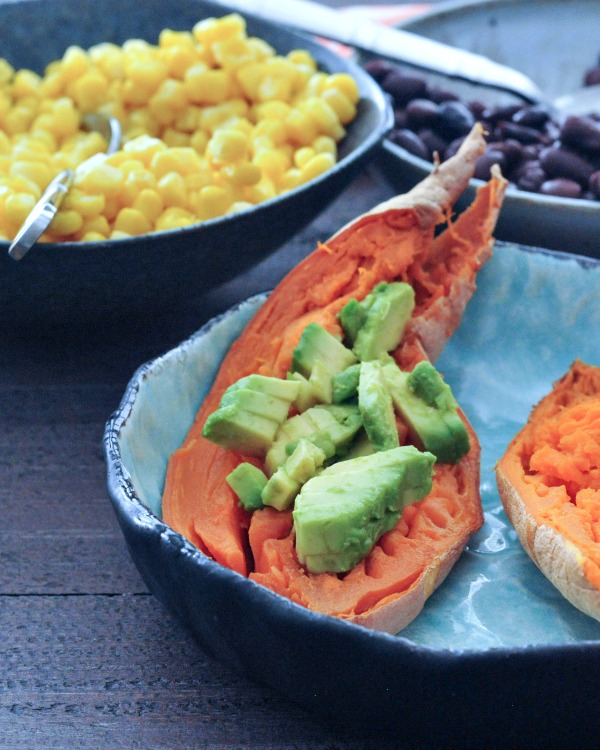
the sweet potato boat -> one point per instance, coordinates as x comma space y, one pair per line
396, 241
549, 482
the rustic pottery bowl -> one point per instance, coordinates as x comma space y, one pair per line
553, 42
489, 661
134, 275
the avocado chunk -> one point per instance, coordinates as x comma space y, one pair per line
248, 482
376, 408
249, 414
303, 463
345, 384
427, 405
318, 345
335, 424
376, 325
317, 389
341, 513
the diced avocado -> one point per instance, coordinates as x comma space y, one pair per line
339, 423
341, 513
248, 482
249, 414
376, 408
361, 446
345, 384
378, 326
317, 389
439, 429
318, 345
299, 467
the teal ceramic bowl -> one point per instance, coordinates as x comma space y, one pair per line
100, 281
491, 659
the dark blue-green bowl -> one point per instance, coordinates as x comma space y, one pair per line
65, 281
497, 659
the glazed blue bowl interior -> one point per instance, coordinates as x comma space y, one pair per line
553, 42
122, 277
493, 628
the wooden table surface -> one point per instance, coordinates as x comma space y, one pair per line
88, 657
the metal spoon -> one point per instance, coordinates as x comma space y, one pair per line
45, 209
413, 49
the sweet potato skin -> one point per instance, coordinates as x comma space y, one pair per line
553, 532
395, 241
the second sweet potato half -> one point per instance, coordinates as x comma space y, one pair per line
397, 241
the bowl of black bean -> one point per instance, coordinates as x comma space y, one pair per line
551, 162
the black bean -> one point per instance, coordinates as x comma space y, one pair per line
378, 68
592, 76
403, 86
453, 147
581, 132
485, 162
530, 176
561, 187
535, 116
558, 161
520, 133
511, 149
454, 119
594, 184
506, 112
420, 112
411, 142
434, 141
439, 95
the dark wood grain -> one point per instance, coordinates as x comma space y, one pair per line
88, 657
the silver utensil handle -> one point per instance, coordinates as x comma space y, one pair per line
395, 44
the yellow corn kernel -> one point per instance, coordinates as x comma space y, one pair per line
316, 166
324, 144
326, 119
169, 99
175, 139
274, 87
52, 85
291, 179
210, 30
141, 122
18, 120
173, 38
345, 83
249, 76
143, 148
6, 72
242, 174
75, 62
109, 58
178, 59
101, 178
91, 236
26, 83
148, 74
275, 129
217, 115
273, 110
150, 203
64, 118
302, 57
238, 206
172, 189
5, 143
174, 217
232, 53
262, 191
188, 120
214, 201
97, 225
88, 206
118, 235
199, 141
135, 95
132, 221
36, 171
178, 160
227, 145
17, 206
66, 222
344, 109
205, 86
301, 128
90, 90
272, 162
302, 155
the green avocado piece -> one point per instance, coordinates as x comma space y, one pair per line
317, 389
337, 423
378, 326
318, 345
376, 408
248, 482
427, 405
304, 461
341, 513
345, 384
249, 414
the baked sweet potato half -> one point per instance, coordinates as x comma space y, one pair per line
549, 483
396, 241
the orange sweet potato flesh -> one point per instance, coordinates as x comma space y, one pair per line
549, 481
395, 241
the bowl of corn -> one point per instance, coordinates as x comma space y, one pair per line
236, 134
